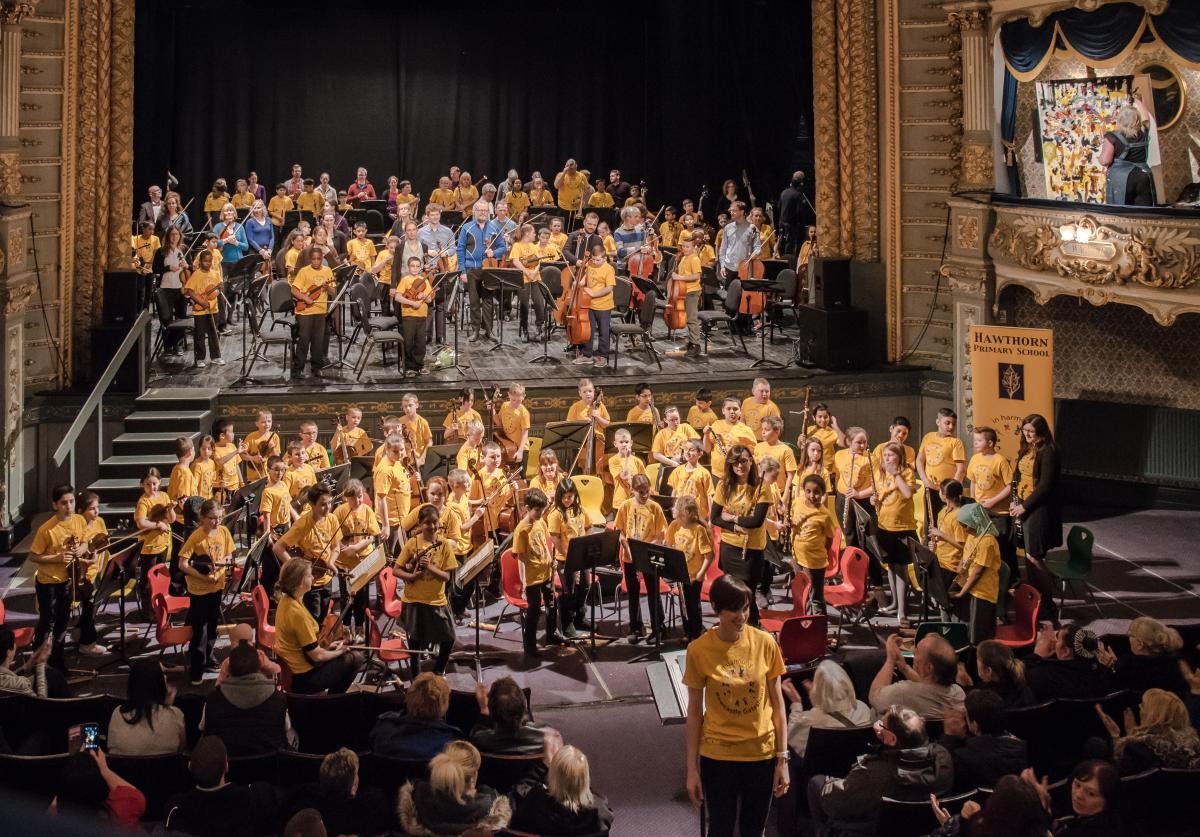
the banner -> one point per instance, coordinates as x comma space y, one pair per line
1012, 375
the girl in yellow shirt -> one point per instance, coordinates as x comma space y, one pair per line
893, 500
424, 565
692, 479
948, 535
981, 563
204, 560
640, 518
691, 537
740, 508
566, 521
531, 548
812, 527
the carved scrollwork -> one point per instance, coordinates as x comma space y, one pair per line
967, 233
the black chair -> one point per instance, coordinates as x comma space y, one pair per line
389, 774
1075, 721
463, 711
260, 768
323, 723
157, 777
1165, 804
898, 818
296, 769
786, 300
168, 322
35, 778
52, 717
192, 706
1035, 726
503, 773
361, 314
619, 328
832, 752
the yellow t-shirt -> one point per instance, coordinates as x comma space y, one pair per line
910, 456
312, 202
427, 589
230, 474
213, 202
623, 470
156, 542
417, 432
291, 257
949, 556
275, 504
295, 630
753, 413
730, 435
218, 546
669, 443
542, 197
558, 239
362, 252
521, 251
861, 465
812, 529
669, 231
51, 538
254, 440
550, 252
465, 197
443, 198
204, 472
694, 541
514, 421
317, 539
361, 521
782, 454
700, 419
643, 414
689, 266
640, 522
582, 411
696, 483
307, 281
356, 441
145, 248
941, 455
708, 256
547, 487
735, 676
316, 455
984, 551
298, 479
741, 502
242, 200
462, 420
989, 475
422, 310
597, 279
492, 484
386, 258
531, 544
468, 456
566, 526
895, 511
517, 202
569, 190
1025, 467
200, 282
828, 438
392, 481
276, 208
182, 483
600, 199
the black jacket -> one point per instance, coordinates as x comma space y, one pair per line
1075, 678
851, 805
980, 760
228, 811
539, 813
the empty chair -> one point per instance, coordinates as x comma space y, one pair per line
620, 328
511, 588
772, 620
850, 596
1074, 564
1035, 726
803, 640
296, 769
261, 768
1023, 630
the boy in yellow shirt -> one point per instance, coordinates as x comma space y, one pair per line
310, 200
203, 288
315, 453
414, 428
278, 207
640, 518
204, 470
257, 454
412, 296
623, 466
513, 418
991, 484
310, 289
227, 454
359, 531
349, 439
300, 475
393, 492
691, 479
691, 537
531, 548
700, 414
60, 539
730, 431
941, 456
275, 505
770, 429
687, 271
203, 561
759, 405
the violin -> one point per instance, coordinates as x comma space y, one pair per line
409, 458
329, 287
492, 261
201, 300
512, 513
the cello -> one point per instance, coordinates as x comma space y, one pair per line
575, 303
751, 303
675, 314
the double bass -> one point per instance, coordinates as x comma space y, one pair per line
574, 305
675, 314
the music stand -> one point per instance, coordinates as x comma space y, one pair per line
338, 476
589, 553
572, 434
498, 280
252, 569
470, 569
115, 579
653, 560
440, 460
361, 467
240, 278
666, 503
868, 530
379, 205
769, 289
451, 306
933, 586
451, 218
641, 432
249, 496
548, 298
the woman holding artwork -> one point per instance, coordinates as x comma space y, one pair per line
1125, 153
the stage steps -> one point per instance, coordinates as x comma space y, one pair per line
162, 415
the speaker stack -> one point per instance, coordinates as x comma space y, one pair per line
833, 334
124, 299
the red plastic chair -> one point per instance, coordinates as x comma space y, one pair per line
390, 650
773, 620
264, 633
851, 594
1023, 629
160, 584
511, 588
23, 636
391, 602
713, 573
165, 633
835, 555
803, 640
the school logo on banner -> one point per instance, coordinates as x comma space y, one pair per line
1012, 375
1012, 381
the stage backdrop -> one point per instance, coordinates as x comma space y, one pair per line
1012, 375
677, 94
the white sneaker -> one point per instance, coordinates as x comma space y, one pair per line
94, 650
200, 364
218, 361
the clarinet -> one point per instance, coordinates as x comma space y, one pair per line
849, 488
785, 534
1015, 492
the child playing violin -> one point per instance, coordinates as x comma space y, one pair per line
413, 294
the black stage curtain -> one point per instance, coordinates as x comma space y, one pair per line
679, 95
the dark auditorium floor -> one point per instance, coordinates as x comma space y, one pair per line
1146, 562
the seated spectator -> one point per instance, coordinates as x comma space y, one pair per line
450, 803
242, 632
501, 728
146, 724
928, 687
1094, 786
1152, 661
565, 804
305, 823
1063, 665
33, 682
1000, 672
216, 807
981, 749
344, 807
1012, 810
1164, 738
421, 732
907, 767
834, 705
246, 710
1192, 699
88, 789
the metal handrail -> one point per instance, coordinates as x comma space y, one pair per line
95, 400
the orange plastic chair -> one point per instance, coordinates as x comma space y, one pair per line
165, 633
390, 650
713, 573
264, 632
772, 620
391, 603
1023, 630
511, 588
23, 636
851, 594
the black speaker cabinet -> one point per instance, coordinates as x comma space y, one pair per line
834, 340
124, 297
106, 339
831, 283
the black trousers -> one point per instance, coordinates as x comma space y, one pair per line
633, 599
742, 323
817, 596
483, 302
416, 333
528, 294
54, 610
539, 595
335, 675
204, 613
980, 616
574, 599
316, 600
172, 339
205, 332
310, 341
87, 615
358, 607
749, 571
737, 796
693, 620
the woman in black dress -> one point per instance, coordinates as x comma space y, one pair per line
1036, 506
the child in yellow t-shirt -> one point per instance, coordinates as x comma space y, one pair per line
204, 560
941, 456
948, 535
692, 479
623, 466
640, 518
691, 537
279, 206
812, 525
701, 415
531, 548
981, 561
412, 296
203, 288
424, 565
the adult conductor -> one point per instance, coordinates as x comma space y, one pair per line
737, 756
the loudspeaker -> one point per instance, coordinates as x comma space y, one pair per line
124, 297
106, 339
868, 292
834, 340
831, 283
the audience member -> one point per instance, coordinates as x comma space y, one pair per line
1000, 672
450, 803
1012, 810
1163, 738
216, 807
928, 687
34, 683
246, 710
501, 728
1063, 665
565, 804
1152, 661
344, 807
305, 823
834, 706
88, 789
979, 745
1094, 786
146, 724
907, 767
421, 732
242, 632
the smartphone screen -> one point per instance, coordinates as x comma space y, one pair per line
91, 736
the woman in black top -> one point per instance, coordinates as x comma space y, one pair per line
1125, 153
1036, 506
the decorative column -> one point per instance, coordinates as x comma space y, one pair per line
17, 281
